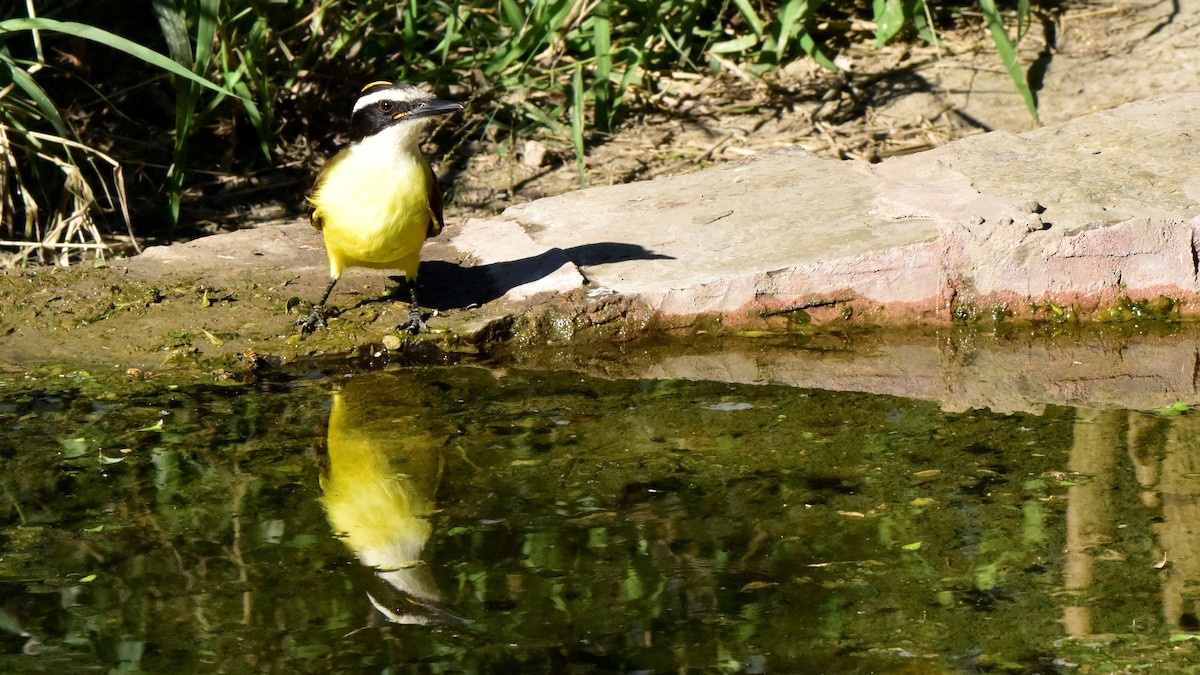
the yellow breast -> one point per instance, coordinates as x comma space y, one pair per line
383, 468
374, 207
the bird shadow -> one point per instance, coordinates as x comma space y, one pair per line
449, 285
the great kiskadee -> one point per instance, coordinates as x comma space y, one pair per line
378, 484
378, 200
384, 463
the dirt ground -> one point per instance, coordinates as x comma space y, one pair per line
146, 314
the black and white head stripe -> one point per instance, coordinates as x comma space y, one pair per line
383, 104
404, 94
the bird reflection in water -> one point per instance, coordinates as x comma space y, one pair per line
378, 486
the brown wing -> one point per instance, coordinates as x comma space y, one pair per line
435, 205
316, 214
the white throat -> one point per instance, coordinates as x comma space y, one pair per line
395, 146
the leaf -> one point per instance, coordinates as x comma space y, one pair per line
602, 47
157, 426
174, 29
630, 75
577, 124
513, 16
889, 19
1023, 19
794, 19
74, 447
1008, 55
25, 82
792, 16
809, 44
738, 44
747, 11
257, 120
922, 20
1174, 410
206, 33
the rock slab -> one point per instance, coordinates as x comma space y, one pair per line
1091, 216
1075, 216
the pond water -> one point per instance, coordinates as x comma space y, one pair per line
466, 519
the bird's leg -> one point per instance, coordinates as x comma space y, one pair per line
318, 314
415, 323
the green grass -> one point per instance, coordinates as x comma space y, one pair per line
282, 69
35, 164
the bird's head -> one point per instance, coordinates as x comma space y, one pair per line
401, 107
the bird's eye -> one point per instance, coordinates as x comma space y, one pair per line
386, 106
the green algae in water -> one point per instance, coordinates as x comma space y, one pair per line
453, 519
1126, 309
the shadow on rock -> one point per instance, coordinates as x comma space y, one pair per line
449, 285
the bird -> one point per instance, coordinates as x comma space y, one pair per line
377, 200
381, 470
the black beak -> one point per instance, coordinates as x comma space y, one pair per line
437, 106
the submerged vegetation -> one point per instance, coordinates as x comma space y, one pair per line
187, 97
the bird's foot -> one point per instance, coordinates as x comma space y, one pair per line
415, 324
315, 319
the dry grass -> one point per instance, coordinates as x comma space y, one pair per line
67, 233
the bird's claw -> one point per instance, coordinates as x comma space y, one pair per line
315, 319
415, 324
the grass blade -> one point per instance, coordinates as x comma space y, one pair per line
735, 45
206, 34
602, 47
923, 22
889, 19
86, 32
577, 124
25, 82
751, 17
794, 20
174, 30
1008, 55
1023, 19
513, 16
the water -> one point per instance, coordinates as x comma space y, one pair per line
460, 519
